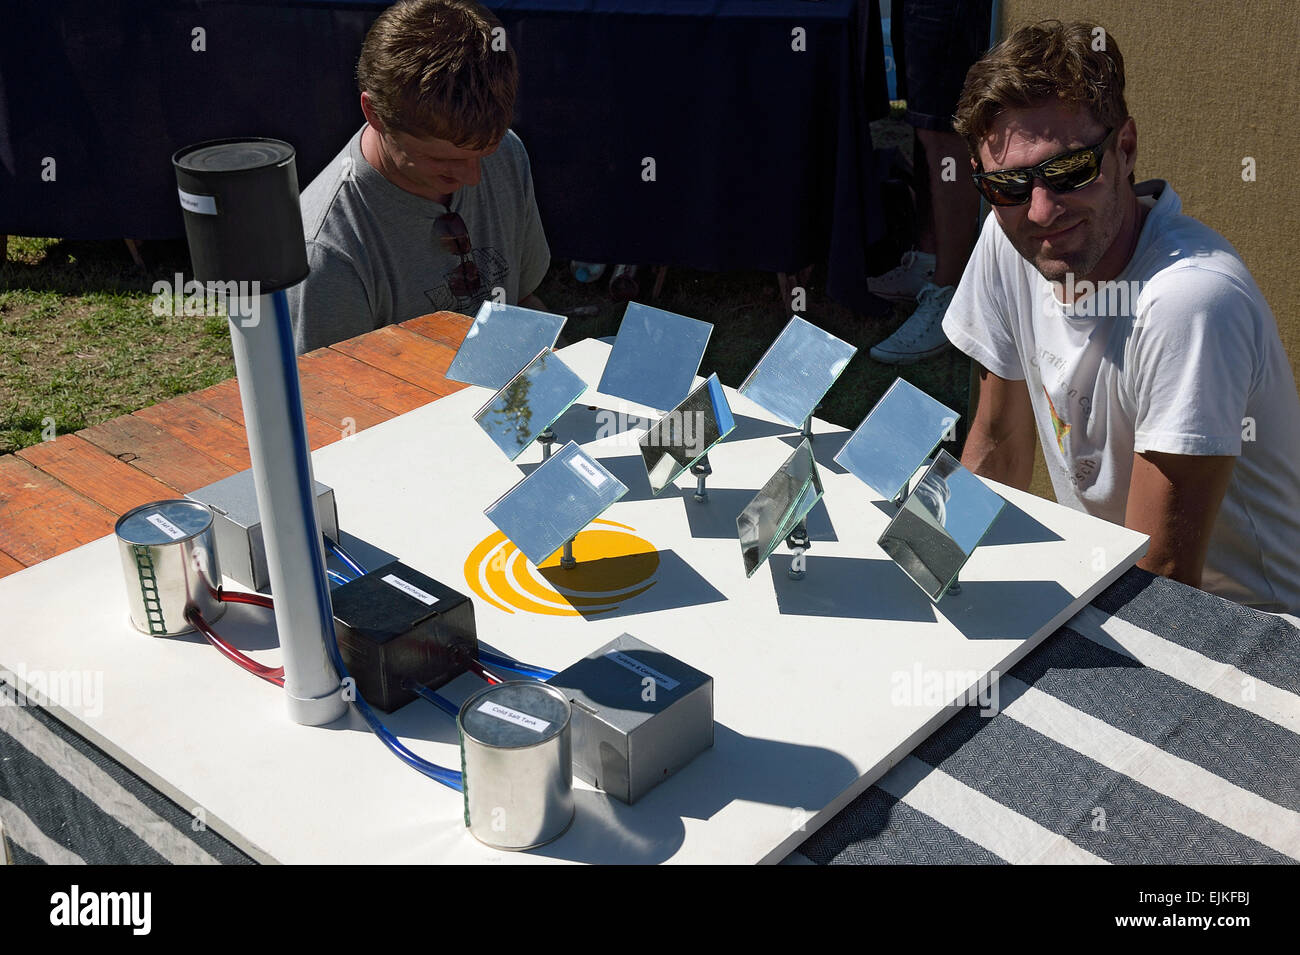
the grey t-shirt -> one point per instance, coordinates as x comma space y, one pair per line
375, 259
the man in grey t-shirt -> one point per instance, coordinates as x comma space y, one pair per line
430, 204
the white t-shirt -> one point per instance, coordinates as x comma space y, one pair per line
1180, 353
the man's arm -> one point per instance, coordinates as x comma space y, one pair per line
1000, 444
532, 301
1174, 499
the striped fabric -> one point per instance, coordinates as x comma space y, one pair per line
64, 801
1160, 725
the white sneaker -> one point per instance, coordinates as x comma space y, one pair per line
921, 336
902, 284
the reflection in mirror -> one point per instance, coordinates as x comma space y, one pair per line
901, 431
797, 371
777, 509
685, 434
529, 403
554, 502
655, 357
940, 524
502, 340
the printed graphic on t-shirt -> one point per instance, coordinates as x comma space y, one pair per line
1083, 470
1059, 426
470, 283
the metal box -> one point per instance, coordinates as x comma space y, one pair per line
238, 526
396, 624
639, 715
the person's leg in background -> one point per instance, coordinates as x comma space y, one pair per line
935, 43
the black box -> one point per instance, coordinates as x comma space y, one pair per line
394, 624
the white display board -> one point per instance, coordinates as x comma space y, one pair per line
821, 685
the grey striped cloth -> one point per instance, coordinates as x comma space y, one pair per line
1160, 725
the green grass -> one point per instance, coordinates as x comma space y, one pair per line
79, 343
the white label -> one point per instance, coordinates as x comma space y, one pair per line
588, 470
636, 666
205, 205
394, 581
166, 526
513, 716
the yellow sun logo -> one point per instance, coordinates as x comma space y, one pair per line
614, 565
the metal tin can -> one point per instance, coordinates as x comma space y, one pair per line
517, 755
169, 558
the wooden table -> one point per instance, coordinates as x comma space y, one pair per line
61, 494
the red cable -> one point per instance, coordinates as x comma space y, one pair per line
270, 674
236, 597
480, 670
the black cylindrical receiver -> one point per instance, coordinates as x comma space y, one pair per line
242, 217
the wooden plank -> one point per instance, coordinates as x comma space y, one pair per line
41, 517
224, 399
202, 428
358, 380
94, 473
449, 328
8, 565
407, 355
144, 446
322, 398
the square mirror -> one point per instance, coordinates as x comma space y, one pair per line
548, 507
655, 357
530, 403
797, 371
895, 438
502, 340
777, 509
940, 524
685, 434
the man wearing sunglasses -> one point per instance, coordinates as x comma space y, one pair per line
1130, 339
430, 205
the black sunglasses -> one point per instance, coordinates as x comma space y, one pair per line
453, 236
1064, 173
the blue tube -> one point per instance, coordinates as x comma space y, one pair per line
337, 550
449, 778
437, 699
338, 578
514, 666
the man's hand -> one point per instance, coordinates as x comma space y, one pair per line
1174, 499
1000, 444
533, 302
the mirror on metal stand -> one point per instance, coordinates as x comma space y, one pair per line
896, 439
795, 373
682, 438
940, 524
529, 403
778, 513
545, 511
501, 341
655, 357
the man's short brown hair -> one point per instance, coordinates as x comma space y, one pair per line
440, 68
1077, 63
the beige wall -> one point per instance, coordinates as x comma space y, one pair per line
1210, 83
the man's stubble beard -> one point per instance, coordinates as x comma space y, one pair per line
1102, 228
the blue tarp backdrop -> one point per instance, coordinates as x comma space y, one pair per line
760, 140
